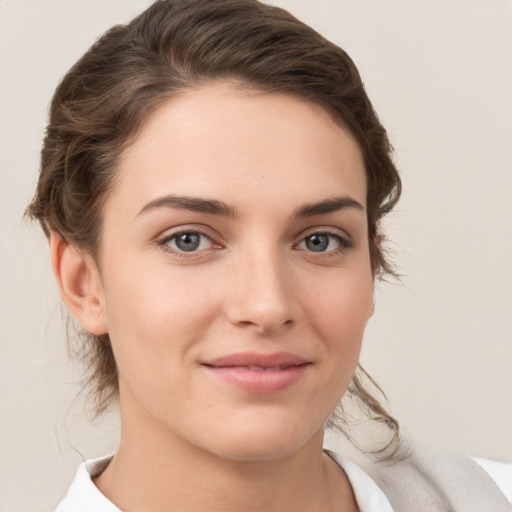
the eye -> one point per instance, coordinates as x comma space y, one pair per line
188, 241
323, 242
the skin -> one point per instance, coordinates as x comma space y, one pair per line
189, 439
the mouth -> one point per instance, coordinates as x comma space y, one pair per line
259, 368
259, 373
277, 360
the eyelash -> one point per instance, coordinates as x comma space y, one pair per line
344, 243
164, 243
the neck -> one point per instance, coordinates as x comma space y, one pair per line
156, 470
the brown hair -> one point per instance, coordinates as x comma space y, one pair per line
175, 45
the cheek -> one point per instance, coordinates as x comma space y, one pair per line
156, 320
339, 317
154, 314
342, 307
339, 309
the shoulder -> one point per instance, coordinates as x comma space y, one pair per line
500, 472
83, 495
429, 481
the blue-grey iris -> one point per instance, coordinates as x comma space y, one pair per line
317, 242
188, 241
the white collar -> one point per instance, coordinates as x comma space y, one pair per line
84, 496
369, 495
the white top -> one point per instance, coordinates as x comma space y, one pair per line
84, 496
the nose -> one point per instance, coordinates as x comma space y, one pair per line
262, 294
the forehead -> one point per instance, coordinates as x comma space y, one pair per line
241, 146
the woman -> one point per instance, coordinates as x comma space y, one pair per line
213, 178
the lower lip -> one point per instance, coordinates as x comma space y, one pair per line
259, 381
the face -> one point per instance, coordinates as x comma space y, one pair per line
235, 273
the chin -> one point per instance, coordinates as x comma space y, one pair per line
264, 438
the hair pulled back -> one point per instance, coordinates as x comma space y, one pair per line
173, 46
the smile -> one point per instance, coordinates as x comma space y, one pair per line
269, 368
259, 373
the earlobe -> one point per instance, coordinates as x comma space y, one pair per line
79, 284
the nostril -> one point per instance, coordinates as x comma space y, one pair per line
261, 300
264, 323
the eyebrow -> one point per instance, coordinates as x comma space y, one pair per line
330, 205
195, 204
215, 207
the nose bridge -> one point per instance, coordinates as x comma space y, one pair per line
262, 296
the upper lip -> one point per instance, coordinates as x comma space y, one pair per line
253, 359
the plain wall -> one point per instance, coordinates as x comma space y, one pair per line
440, 344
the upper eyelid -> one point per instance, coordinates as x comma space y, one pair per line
328, 230
170, 236
169, 233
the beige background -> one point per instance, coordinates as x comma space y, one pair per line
440, 344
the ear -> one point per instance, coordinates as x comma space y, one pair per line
79, 283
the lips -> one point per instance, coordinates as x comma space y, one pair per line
259, 373
265, 361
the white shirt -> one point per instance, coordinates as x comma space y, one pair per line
84, 496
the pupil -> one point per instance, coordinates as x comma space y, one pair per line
317, 243
188, 241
